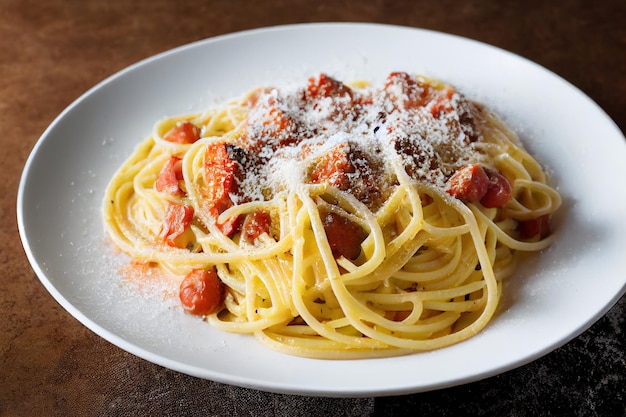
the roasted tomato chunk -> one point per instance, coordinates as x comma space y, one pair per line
170, 174
344, 236
498, 191
221, 175
178, 218
202, 292
469, 183
472, 183
334, 167
325, 86
535, 227
255, 224
184, 133
402, 87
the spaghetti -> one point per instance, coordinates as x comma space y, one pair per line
336, 221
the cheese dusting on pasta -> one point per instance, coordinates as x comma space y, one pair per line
335, 220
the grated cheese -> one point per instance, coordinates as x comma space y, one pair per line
289, 131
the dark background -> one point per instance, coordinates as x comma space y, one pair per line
53, 51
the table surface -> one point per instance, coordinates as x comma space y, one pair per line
53, 51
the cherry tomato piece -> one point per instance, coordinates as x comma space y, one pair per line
469, 183
498, 192
344, 236
533, 227
202, 292
255, 224
178, 217
325, 86
401, 86
183, 133
334, 167
170, 174
221, 173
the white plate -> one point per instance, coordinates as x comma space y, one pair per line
547, 303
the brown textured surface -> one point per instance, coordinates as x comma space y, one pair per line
52, 51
